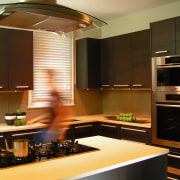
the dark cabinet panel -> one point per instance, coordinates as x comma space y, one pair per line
88, 53
141, 63
109, 130
106, 63
126, 61
3, 59
20, 59
122, 61
84, 130
178, 35
163, 37
139, 134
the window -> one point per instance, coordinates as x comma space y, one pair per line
52, 51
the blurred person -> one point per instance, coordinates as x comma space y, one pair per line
56, 119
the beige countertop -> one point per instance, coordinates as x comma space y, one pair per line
5, 128
141, 122
112, 154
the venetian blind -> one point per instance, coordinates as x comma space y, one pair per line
51, 51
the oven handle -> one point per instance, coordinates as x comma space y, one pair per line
167, 66
168, 105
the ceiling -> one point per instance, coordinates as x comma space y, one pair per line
107, 9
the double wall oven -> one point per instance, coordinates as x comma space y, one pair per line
166, 106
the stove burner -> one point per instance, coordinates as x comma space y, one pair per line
42, 152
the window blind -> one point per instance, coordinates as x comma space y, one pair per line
51, 51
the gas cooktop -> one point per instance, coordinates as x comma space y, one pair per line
42, 152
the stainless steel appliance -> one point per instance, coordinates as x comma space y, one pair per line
46, 15
166, 73
166, 119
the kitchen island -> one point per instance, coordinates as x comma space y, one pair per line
114, 159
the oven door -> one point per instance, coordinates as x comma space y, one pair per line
166, 124
166, 73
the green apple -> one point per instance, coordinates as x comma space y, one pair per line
18, 111
121, 118
23, 121
134, 119
17, 122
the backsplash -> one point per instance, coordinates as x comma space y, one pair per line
87, 102
137, 102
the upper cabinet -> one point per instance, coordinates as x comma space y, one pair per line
165, 37
125, 61
141, 63
16, 59
178, 35
3, 60
88, 53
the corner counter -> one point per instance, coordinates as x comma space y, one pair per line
115, 159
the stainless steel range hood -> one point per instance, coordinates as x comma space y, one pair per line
45, 15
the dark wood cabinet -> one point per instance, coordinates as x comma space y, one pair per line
109, 129
3, 59
139, 134
84, 130
178, 35
141, 62
126, 61
122, 61
20, 59
165, 37
106, 63
88, 53
16, 70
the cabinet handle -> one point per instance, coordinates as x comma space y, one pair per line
159, 52
170, 178
131, 129
121, 85
105, 85
22, 87
175, 156
84, 126
1, 87
25, 134
1, 136
137, 85
168, 105
111, 126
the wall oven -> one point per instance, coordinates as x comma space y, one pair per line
166, 119
166, 73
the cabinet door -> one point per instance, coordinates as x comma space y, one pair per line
3, 59
88, 63
20, 59
121, 65
141, 63
178, 35
163, 37
106, 63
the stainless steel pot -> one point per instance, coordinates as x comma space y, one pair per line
20, 147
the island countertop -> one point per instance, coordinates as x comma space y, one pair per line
112, 154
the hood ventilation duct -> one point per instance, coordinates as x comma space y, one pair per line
45, 15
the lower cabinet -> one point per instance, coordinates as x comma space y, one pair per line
84, 130
134, 133
109, 129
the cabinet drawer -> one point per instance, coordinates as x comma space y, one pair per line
84, 130
136, 134
109, 130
